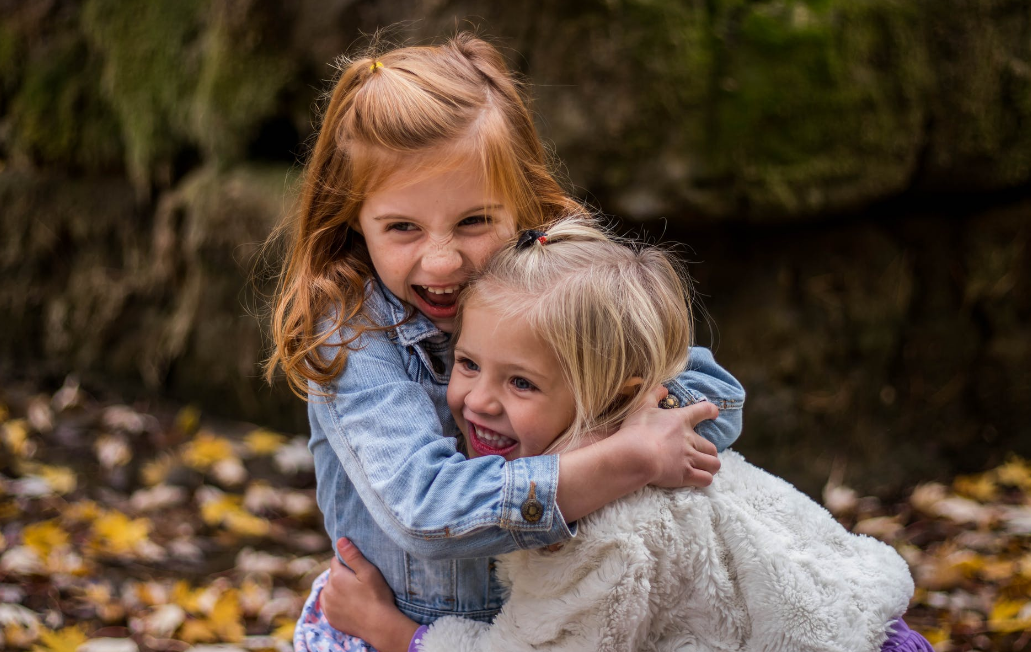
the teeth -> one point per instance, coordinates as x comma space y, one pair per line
494, 439
447, 290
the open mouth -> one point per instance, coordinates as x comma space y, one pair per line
487, 442
438, 302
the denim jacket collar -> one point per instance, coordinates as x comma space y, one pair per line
410, 331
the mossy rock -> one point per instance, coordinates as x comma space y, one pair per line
56, 116
151, 54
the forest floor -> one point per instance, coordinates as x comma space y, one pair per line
126, 528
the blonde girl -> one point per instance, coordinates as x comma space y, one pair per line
557, 343
426, 161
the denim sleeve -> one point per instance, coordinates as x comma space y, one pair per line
427, 497
705, 380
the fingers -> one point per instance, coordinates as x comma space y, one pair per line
356, 562
701, 411
652, 397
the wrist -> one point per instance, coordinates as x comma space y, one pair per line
635, 457
400, 631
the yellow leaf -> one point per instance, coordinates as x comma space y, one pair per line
246, 524
937, 635
186, 597
1009, 616
205, 450
117, 534
1016, 472
285, 632
82, 511
188, 420
156, 470
16, 438
214, 511
197, 631
44, 537
264, 442
17, 635
226, 617
980, 487
60, 479
64, 640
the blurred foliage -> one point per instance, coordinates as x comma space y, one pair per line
157, 531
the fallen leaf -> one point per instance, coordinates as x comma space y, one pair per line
164, 620
115, 533
64, 640
226, 617
15, 437
1010, 616
294, 457
158, 497
44, 537
112, 450
205, 450
188, 420
109, 645
264, 442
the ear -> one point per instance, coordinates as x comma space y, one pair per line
629, 388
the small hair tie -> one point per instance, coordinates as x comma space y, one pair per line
529, 236
374, 66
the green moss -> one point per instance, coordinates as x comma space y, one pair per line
11, 52
241, 81
150, 67
56, 114
822, 103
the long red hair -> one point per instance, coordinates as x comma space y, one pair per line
448, 100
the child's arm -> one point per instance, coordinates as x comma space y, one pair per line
596, 600
705, 380
385, 434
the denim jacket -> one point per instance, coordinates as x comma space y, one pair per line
391, 480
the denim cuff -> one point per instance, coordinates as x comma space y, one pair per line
528, 509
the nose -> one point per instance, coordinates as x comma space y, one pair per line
442, 258
482, 400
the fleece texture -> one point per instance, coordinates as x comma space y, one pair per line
748, 563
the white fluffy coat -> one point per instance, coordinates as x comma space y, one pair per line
749, 563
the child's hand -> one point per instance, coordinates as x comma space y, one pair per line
357, 601
681, 457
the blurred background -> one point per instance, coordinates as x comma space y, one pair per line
853, 180
850, 179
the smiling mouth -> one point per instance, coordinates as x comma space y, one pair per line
438, 297
488, 442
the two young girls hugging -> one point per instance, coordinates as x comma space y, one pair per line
441, 289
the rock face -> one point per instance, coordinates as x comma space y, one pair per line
147, 151
900, 343
167, 299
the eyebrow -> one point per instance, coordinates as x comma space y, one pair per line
475, 209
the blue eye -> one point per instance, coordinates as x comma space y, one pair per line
522, 384
467, 364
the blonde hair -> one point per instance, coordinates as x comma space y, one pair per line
611, 310
448, 102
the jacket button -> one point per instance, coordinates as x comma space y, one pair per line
669, 402
532, 509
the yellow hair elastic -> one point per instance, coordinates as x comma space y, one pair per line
373, 67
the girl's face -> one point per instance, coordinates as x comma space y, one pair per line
507, 392
428, 230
